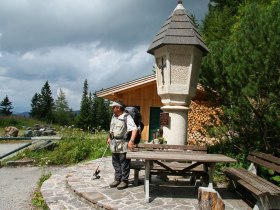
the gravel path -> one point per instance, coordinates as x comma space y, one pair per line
17, 185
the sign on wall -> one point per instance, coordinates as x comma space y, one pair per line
164, 119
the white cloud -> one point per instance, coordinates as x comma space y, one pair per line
27, 56
3, 70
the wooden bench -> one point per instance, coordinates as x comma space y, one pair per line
169, 168
266, 193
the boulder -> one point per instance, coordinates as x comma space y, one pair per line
11, 131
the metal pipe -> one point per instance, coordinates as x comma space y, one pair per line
14, 138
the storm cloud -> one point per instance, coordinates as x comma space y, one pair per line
66, 42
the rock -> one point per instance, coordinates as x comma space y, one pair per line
48, 132
39, 130
10, 131
28, 133
22, 162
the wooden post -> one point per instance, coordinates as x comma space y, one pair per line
209, 199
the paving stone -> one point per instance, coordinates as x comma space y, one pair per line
78, 189
93, 197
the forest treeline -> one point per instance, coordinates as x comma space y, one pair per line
94, 113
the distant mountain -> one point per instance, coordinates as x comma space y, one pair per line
26, 114
22, 114
77, 112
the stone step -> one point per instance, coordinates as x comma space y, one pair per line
58, 196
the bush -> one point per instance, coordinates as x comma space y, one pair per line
18, 121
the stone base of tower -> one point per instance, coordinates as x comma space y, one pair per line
176, 131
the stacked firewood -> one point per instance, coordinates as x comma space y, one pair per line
202, 117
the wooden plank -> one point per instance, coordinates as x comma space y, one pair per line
261, 184
169, 146
163, 165
192, 166
249, 187
140, 165
267, 184
180, 156
268, 157
263, 163
231, 173
175, 168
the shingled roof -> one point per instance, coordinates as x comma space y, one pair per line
178, 29
111, 92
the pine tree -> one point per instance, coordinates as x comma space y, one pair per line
60, 103
102, 113
216, 31
243, 69
62, 114
35, 106
85, 116
42, 105
6, 107
47, 102
253, 75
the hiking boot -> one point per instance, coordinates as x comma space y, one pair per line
122, 185
114, 183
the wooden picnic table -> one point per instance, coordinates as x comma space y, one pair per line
207, 160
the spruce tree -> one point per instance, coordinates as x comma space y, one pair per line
62, 115
216, 31
47, 102
85, 116
102, 113
6, 107
42, 104
243, 69
35, 106
60, 103
253, 75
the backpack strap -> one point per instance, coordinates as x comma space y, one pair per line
125, 119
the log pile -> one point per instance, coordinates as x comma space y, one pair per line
203, 115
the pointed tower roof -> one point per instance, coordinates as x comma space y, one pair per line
178, 29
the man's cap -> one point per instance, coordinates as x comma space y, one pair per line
117, 103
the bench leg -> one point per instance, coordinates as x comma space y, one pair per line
136, 177
210, 174
147, 181
231, 185
204, 180
192, 179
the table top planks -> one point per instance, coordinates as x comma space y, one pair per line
179, 156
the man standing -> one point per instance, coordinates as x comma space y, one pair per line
121, 124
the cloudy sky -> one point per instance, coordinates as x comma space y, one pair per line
65, 42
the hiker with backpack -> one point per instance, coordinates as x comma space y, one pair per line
121, 124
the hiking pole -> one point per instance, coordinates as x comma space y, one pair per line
97, 171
